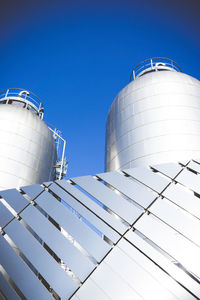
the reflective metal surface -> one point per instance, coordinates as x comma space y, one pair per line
116, 288
190, 180
95, 292
132, 189
85, 213
116, 203
80, 265
132, 265
5, 215
14, 199
164, 262
154, 180
21, 274
92, 205
175, 244
177, 218
7, 290
133, 233
82, 233
58, 279
27, 150
194, 166
154, 119
184, 198
73, 240
169, 169
32, 190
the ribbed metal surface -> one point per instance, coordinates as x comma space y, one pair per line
153, 120
70, 240
27, 148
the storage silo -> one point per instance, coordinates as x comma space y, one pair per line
155, 118
28, 152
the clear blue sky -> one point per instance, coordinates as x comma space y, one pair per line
77, 55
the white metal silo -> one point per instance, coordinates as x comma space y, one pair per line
155, 118
28, 152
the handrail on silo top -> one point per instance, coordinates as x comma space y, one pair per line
154, 64
24, 98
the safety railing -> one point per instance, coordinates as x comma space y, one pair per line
26, 98
154, 64
61, 162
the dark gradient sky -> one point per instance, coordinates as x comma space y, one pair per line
77, 55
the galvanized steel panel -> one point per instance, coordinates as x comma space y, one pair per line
42, 261
115, 202
21, 274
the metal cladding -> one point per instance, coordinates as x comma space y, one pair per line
127, 234
155, 118
132, 234
27, 146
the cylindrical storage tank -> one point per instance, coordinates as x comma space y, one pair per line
27, 147
155, 118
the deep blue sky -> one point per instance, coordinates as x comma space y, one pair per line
77, 55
